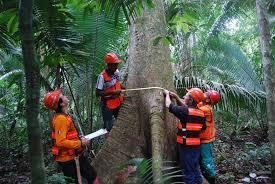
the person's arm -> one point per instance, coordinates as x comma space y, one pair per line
61, 128
179, 100
99, 88
178, 111
105, 93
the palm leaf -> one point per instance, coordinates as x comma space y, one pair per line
224, 58
232, 96
100, 35
231, 9
171, 171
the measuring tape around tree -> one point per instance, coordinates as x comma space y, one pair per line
139, 89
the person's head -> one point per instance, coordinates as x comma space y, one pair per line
112, 62
112, 67
193, 97
54, 100
212, 97
62, 104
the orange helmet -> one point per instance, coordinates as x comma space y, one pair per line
51, 99
197, 94
111, 58
214, 96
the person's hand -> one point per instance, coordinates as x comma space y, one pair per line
84, 141
167, 98
166, 92
117, 92
173, 95
183, 102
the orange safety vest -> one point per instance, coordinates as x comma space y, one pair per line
112, 102
72, 134
209, 134
189, 132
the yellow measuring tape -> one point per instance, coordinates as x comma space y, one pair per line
138, 89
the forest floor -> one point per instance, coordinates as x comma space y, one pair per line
244, 158
14, 167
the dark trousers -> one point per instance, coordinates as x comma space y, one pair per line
189, 162
107, 115
86, 170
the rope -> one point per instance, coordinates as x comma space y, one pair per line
139, 89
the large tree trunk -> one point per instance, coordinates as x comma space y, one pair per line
32, 92
143, 127
269, 76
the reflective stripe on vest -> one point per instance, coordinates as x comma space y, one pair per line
188, 128
57, 151
112, 103
195, 112
193, 141
193, 126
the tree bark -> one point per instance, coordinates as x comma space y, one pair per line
32, 73
269, 76
143, 128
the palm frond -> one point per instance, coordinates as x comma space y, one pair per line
230, 60
11, 73
100, 36
8, 43
231, 9
171, 171
233, 96
113, 8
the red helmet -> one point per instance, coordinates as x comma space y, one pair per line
197, 94
51, 99
214, 96
111, 58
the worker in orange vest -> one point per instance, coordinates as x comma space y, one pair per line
208, 136
108, 88
192, 122
66, 143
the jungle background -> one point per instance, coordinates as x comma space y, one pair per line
214, 44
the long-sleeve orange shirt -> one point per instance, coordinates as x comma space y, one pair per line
62, 124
